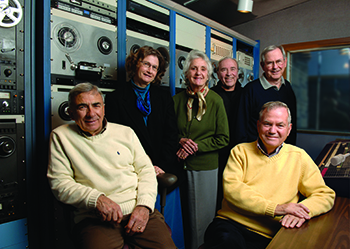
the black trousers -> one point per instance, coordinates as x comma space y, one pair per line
228, 234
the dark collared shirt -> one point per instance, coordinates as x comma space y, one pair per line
262, 148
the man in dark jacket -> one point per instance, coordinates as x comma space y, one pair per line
229, 90
271, 86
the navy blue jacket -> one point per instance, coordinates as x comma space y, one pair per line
253, 97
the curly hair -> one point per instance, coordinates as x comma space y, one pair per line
132, 62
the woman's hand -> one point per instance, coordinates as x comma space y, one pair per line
188, 145
182, 154
158, 170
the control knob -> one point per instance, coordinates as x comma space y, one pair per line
5, 104
7, 72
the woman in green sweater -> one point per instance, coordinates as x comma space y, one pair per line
203, 130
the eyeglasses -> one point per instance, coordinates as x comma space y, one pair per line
271, 64
147, 65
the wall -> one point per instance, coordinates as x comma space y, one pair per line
310, 21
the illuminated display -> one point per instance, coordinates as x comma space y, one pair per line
4, 95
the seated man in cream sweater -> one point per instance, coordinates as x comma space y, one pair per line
263, 181
101, 169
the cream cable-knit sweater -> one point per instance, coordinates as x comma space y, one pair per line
254, 184
112, 163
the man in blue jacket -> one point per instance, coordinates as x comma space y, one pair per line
271, 86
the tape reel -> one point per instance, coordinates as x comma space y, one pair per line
67, 37
10, 13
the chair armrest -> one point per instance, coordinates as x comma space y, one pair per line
166, 180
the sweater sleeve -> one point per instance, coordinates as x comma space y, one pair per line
221, 137
319, 197
61, 179
240, 196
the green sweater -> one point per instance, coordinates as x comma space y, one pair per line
211, 133
254, 184
112, 163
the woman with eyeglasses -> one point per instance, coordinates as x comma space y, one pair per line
148, 109
203, 131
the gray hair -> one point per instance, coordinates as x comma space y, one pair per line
226, 58
274, 105
195, 54
82, 88
269, 49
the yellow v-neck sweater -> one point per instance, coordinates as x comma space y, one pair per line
254, 184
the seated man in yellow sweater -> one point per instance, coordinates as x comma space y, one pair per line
263, 182
101, 169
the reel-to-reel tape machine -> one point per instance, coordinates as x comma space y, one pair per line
12, 120
11, 58
82, 49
